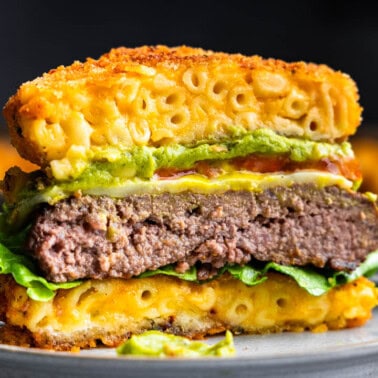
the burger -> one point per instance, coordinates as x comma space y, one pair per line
188, 191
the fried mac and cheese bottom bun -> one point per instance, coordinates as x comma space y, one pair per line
153, 96
109, 311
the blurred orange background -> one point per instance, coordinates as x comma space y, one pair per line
366, 151
9, 157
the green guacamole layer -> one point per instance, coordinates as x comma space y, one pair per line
143, 161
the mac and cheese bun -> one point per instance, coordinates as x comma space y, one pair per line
89, 315
153, 96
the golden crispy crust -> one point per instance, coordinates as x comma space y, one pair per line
158, 95
108, 312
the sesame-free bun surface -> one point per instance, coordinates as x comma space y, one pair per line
160, 95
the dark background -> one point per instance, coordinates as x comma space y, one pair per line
38, 35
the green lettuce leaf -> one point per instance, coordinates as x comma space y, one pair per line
307, 278
169, 270
315, 282
21, 268
368, 268
246, 274
312, 281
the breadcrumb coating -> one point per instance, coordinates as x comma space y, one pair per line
89, 314
156, 95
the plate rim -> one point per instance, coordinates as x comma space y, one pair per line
341, 354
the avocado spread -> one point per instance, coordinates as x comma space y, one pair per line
143, 161
159, 344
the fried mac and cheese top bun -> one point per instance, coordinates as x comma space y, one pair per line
184, 190
154, 96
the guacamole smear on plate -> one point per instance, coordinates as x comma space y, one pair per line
159, 344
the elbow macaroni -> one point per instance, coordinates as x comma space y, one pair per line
141, 97
109, 310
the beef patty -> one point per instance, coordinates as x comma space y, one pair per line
100, 237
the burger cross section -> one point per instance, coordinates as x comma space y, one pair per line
188, 191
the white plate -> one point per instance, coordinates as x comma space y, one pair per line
346, 353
